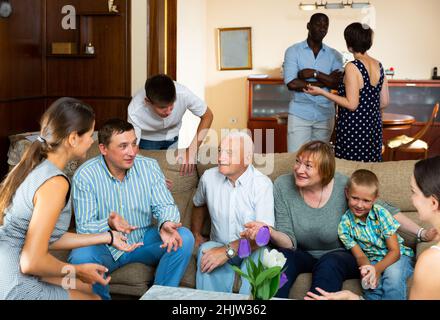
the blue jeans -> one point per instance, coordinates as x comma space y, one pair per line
328, 272
170, 266
222, 278
300, 131
158, 145
392, 283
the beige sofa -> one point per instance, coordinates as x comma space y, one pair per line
134, 279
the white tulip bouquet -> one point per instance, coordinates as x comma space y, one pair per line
267, 275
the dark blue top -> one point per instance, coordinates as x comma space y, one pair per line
359, 132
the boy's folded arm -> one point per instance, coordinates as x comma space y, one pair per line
360, 256
392, 256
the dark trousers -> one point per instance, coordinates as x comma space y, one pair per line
157, 145
328, 272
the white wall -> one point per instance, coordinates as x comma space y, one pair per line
191, 58
138, 44
405, 39
191, 53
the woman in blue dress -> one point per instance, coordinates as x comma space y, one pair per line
35, 213
361, 97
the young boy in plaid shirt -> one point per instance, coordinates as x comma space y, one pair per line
370, 232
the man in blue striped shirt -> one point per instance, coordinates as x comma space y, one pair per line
120, 190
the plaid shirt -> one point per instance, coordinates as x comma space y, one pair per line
371, 235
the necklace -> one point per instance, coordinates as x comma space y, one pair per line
320, 197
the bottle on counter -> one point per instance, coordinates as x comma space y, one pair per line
90, 49
390, 72
434, 74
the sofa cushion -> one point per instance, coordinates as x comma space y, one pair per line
422, 246
133, 274
189, 277
394, 176
132, 279
183, 186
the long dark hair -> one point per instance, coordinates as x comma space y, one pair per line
64, 116
427, 176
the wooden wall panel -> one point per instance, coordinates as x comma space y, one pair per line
105, 75
99, 5
22, 86
105, 108
21, 65
31, 78
17, 117
54, 30
162, 37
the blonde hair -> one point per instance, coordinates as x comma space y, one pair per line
324, 157
366, 178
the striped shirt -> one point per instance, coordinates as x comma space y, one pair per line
371, 235
139, 197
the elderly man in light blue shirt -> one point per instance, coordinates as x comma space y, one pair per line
311, 62
234, 193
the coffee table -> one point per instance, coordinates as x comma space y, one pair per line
172, 293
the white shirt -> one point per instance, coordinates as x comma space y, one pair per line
149, 126
231, 207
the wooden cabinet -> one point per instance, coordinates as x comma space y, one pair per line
269, 97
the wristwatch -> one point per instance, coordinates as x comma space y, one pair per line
230, 252
315, 74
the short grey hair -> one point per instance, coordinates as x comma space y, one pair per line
247, 146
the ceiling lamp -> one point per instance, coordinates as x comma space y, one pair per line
333, 5
360, 5
308, 7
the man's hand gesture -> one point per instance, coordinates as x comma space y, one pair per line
170, 237
120, 242
187, 161
118, 223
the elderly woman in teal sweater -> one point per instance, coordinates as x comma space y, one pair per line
309, 203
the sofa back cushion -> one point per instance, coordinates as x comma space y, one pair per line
183, 186
394, 176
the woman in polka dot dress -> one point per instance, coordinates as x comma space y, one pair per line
361, 98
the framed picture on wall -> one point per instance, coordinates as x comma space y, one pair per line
234, 48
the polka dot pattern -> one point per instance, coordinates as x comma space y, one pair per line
359, 133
